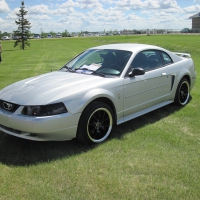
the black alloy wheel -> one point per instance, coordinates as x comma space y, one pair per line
96, 123
183, 92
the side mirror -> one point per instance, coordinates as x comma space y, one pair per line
136, 72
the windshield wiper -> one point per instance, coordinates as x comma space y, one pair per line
69, 69
98, 74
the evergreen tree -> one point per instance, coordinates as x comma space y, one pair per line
23, 32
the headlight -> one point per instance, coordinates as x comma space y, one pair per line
47, 110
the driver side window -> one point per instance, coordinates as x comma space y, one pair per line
147, 60
140, 61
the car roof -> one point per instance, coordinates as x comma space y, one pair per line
128, 47
135, 48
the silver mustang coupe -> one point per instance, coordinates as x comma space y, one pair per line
101, 87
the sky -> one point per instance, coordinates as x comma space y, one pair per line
99, 15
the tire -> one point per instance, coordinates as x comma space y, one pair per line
182, 92
95, 124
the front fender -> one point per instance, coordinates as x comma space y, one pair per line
95, 94
115, 95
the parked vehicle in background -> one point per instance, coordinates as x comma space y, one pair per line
58, 35
15, 37
49, 36
5, 37
185, 30
36, 36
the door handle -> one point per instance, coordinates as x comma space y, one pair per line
163, 74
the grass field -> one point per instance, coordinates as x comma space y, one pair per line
156, 156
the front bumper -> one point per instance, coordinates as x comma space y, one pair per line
48, 128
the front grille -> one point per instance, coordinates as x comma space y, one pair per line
8, 106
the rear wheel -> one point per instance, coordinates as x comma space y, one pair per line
96, 123
183, 92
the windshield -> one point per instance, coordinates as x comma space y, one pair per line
99, 61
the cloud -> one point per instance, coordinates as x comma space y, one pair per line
88, 4
4, 6
39, 9
148, 4
68, 4
192, 9
128, 4
40, 17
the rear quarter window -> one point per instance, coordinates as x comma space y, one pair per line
166, 58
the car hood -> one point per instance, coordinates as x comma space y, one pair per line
39, 90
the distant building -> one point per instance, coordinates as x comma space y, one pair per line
195, 22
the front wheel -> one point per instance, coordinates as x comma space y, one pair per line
95, 124
183, 92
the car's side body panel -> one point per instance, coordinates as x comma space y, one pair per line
146, 90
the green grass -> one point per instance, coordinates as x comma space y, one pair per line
155, 156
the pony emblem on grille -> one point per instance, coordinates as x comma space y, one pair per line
7, 106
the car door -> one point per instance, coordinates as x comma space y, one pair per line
144, 91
